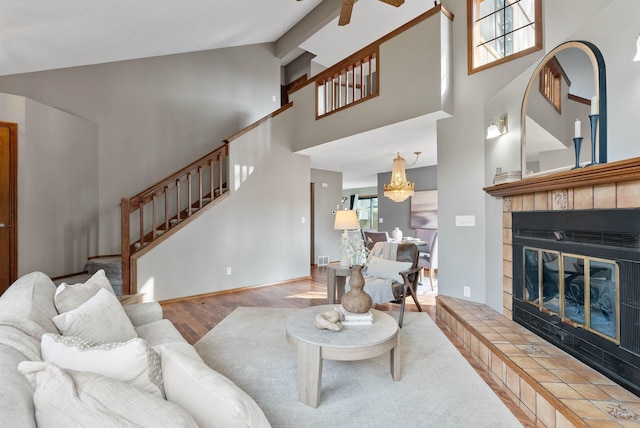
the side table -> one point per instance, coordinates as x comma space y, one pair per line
336, 276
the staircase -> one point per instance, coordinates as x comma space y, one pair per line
154, 214
112, 266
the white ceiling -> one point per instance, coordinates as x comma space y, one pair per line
370, 20
38, 35
361, 157
44, 34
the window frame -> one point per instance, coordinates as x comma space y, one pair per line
372, 209
473, 5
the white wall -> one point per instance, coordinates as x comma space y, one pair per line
257, 231
614, 30
57, 187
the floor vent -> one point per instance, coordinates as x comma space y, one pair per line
323, 260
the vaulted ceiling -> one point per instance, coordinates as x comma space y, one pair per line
38, 35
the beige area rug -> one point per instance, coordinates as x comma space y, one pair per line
438, 387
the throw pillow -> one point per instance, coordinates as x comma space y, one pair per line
212, 399
70, 399
100, 319
70, 296
132, 362
388, 269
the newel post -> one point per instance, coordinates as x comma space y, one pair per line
125, 210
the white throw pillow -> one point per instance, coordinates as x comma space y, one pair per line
388, 269
212, 399
133, 362
100, 319
70, 296
70, 399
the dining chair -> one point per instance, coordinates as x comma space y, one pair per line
428, 253
371, 236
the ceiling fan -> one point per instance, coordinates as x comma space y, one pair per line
347, 7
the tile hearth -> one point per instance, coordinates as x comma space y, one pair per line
553, 388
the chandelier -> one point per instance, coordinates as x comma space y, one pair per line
399, 188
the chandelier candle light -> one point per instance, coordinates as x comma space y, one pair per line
399, 188
593, 122
577, 143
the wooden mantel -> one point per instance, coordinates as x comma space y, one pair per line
606, 173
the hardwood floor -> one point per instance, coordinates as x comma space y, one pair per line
194, 317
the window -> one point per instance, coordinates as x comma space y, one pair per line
501, 30
367, 209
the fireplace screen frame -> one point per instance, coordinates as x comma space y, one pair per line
572, 288
611, 234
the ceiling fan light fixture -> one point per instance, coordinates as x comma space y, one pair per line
347, 8
345, 12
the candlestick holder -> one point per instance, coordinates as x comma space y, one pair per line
577, 143
593, 121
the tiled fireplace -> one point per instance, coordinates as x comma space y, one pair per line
576, 283
561, 388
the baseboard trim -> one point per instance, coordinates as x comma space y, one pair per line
231, 290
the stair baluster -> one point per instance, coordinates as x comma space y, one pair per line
153, 225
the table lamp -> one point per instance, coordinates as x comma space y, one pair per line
345, 220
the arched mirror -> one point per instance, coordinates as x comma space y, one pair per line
567, 87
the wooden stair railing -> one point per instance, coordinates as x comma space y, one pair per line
148, 216
352, 82
356, 78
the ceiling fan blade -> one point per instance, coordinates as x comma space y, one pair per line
345, 12
395, 3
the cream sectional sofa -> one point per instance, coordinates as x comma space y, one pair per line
146, 374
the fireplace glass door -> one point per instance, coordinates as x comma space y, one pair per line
581, 290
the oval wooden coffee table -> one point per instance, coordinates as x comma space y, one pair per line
354, 342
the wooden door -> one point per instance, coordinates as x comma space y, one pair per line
8, 204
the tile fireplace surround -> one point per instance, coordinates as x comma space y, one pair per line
553, 388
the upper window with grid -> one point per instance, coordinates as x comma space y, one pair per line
501, 30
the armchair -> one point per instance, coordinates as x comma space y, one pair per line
392, 274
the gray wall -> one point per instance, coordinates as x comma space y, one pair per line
327, 201
466, 162
298, 68
57, 187
194, 100
461, 173
415, 82
261, 231
398, 214
156, 115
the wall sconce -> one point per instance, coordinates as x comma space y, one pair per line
637, 57
497, 127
